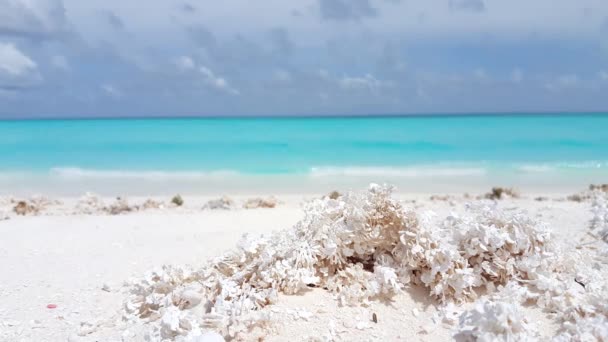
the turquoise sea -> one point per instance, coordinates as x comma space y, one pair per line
420, 153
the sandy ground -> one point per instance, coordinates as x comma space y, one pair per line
79, 263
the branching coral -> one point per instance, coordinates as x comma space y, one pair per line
89, 204
500, 246
495, 321
361, 247
599, 222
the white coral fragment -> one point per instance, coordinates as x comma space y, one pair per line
495, 321
599, 222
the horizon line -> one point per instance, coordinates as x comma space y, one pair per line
311, 116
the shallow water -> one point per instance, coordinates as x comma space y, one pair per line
422, 153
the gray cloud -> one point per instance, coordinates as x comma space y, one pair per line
278, 70
237, 52
280, 39
604, 35
467, 5
187, 8
346, 9
391, 62
40, 20
202, 37
114, 20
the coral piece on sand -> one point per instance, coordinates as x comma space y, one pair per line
177, 200
25, 208
4, 216
225, 203
495, 321
590, 194
33, 206
120, 206
334, 195
89, 204
42, 202
584, 329
209, 336
577, 198
152, 204
599, 209
598, 187
499, 193
5, 200
254, 203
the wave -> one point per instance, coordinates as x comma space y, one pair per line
78, 173
315, 172
536, 168
411, 172
560, 166
445, 170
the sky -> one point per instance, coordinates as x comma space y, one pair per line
111, 58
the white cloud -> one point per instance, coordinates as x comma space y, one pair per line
422, 94
184, 63
111, 90
323, 74
603, 75
37, 19
217, 82
354, 83
563, 82
282, 76
517, 75
467, 5
366, 82
346, 9
60, 62
480, 74
228, 18
17, 70
14, 62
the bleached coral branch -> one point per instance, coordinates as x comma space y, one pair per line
495, 321
361, 246
599, 222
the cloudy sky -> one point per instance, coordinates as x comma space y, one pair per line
302, 57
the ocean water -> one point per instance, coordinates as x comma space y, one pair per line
421, 153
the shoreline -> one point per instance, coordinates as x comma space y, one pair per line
288, 186
95, 204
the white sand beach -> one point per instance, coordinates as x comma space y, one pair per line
314, 171
80, 263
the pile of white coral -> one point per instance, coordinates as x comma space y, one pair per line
360, 247
599, 223
367, 246
495, 321
571, 285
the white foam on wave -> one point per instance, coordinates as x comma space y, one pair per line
73, 173
406, 172
12, 176
535, 168
556, 166
584, 165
